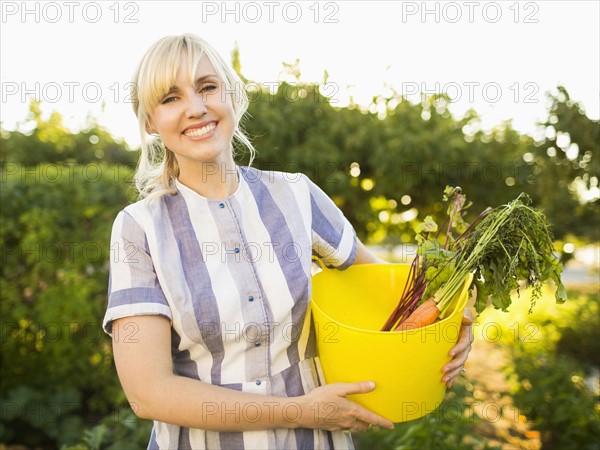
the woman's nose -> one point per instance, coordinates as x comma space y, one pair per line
196, 105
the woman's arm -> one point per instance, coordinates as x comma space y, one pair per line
142, 352
364, 256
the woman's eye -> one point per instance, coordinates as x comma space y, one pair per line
208, 88
168, 100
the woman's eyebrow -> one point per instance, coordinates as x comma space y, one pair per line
198, 81
204, 77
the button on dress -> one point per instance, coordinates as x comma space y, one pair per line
233, 277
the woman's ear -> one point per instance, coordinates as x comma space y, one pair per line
150, 129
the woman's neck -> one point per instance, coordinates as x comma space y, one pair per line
211, 180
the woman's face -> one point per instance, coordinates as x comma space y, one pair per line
196, 121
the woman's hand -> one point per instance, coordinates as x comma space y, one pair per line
460, 351
327, 408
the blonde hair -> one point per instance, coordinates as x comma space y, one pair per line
155, 74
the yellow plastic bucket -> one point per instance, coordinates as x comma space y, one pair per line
349, 308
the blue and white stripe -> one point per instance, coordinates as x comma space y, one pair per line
234, 278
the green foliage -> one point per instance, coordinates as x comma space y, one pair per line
550, 385
552, 393
62, 190
32, 417
50, 142
513, 244
580, 340
115, 432
53, 279
410, 152
567, 163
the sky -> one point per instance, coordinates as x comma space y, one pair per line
500, 58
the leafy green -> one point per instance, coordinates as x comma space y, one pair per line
503, 247
511, 244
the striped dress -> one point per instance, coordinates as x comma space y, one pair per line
233, 276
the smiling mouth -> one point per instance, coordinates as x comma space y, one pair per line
197, 132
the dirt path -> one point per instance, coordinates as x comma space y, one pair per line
504, 426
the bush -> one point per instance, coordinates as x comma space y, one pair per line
552, 393
554, 350
582, 341
119, 431
57, 369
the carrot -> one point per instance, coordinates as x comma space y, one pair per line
424, 315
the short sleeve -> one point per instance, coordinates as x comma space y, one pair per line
133, 287
333, 237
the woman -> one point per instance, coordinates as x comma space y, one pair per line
213, 270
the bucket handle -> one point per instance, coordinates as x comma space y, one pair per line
319, 265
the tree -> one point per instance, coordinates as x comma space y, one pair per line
58, 202
51, 142
568, 163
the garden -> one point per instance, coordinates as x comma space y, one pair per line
532, 380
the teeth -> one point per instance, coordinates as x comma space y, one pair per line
200, 131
